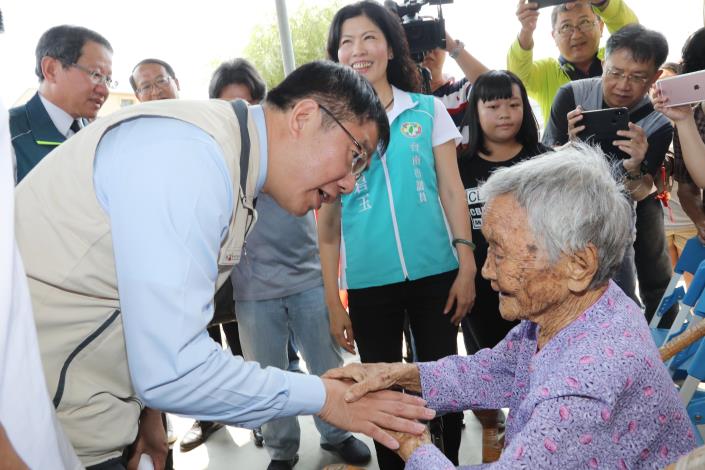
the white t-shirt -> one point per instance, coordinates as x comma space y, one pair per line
26, 411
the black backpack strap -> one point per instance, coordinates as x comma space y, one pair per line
240, 108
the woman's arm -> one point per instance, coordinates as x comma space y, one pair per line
452, 194
329, 248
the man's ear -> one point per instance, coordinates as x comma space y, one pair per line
178, 88
50, 67
304, 113
581, 268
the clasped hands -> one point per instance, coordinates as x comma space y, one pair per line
358, 399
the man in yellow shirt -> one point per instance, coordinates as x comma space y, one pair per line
577, 29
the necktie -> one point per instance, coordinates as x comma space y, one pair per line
75, 127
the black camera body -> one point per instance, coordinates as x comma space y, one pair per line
422, 34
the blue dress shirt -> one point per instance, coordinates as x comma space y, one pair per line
166, 189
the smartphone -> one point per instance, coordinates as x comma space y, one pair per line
550, 3
683, 89
601, 125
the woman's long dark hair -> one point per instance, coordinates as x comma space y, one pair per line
497, 85
694, 52
401, 70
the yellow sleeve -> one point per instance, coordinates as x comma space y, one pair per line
616, 15
521, 62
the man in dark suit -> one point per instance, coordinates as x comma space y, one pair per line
74, 66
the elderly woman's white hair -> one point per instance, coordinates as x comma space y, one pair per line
572, 198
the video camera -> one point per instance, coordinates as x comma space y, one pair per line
422, 34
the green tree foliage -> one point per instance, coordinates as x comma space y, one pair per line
309, 31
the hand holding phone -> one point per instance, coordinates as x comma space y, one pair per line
550, 3
602, 125
634, 144
683, 89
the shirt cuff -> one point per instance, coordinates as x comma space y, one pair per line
610, 12
306, 394
519, 52
428, 456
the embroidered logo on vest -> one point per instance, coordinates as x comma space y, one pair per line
411, 129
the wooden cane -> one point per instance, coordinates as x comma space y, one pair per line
682, 341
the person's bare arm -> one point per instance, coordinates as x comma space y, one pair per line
452, 194
471, 67
528, 15
691, 199
329, 248
9, 459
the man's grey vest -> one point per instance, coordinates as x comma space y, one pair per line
65, 240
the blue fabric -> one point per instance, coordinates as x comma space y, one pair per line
166, 189
376, 252
265, 326
33, 134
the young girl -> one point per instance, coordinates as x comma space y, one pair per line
503, 131
398, 224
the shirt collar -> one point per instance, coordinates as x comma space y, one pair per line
402, 102
574, 73
261, 125
61, 119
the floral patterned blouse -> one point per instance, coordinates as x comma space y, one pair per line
595, 396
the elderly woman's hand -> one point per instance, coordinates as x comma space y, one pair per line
373, 377
408, 443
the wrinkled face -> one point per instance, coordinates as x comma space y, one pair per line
154, 83
323, 168
582, 45
364, 48
77, 93
501, 119
516, 266
236, 91
625, 81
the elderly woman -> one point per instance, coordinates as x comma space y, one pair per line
580, 373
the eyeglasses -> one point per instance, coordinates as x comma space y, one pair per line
359, 161
96, 77
612, 74
159, 82
584, 26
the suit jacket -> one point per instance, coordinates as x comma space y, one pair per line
33, 134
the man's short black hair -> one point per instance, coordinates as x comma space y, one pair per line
694, 52
344, 92
166, 66
65, 43
239, 72
644, 45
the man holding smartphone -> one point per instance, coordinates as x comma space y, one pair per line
633, 57
577, 29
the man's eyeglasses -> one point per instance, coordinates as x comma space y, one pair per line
615, 75
96, 77
584, 26
359, 161
160, 82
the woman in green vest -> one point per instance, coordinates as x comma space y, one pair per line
402, 237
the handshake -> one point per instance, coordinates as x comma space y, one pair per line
358, 400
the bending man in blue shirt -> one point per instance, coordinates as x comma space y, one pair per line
156, 201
